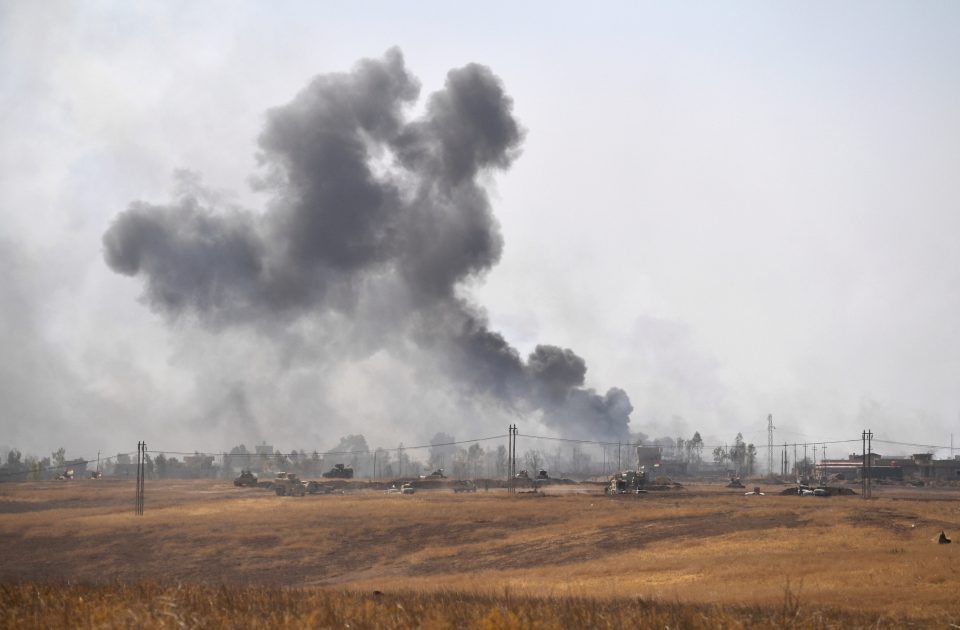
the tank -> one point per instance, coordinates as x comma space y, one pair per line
246, 478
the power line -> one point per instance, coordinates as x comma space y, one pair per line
706, 446
324, 453
935, 446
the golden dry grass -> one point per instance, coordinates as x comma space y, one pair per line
151, 605
701, 546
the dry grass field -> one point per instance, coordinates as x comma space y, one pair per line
700, 554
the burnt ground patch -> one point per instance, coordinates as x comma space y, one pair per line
586, 546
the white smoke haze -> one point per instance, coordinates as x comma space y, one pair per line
722, 213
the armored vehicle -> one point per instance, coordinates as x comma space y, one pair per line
246, 478
289, 484
339, 472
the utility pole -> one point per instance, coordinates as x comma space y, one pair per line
863, 466
770, 429
796, 463
400, 459
869, 464
509, 457
513, 458
141, 470
619, 467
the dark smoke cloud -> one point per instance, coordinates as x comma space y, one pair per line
366, 204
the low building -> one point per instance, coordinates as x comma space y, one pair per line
916, 467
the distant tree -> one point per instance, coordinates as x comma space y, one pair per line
160, 464
720, 455
459, 464
751, 458
441, 450
738, 454
14, 462
58, 458
501, 463
696, 446
533, 459
384, 468
474, 457
37, 467
350, 449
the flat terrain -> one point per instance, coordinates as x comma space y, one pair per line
699, 544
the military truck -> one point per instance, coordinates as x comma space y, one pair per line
246, 478
289, 484
339, 472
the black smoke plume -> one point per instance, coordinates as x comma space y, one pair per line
373, 217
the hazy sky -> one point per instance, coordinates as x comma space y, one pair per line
727, 209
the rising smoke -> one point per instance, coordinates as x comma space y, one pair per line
374, 218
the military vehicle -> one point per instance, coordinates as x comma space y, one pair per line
542, 474
437, 474
464, 486
289, 484
735, 482
627, 482
339, 472
246, 478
